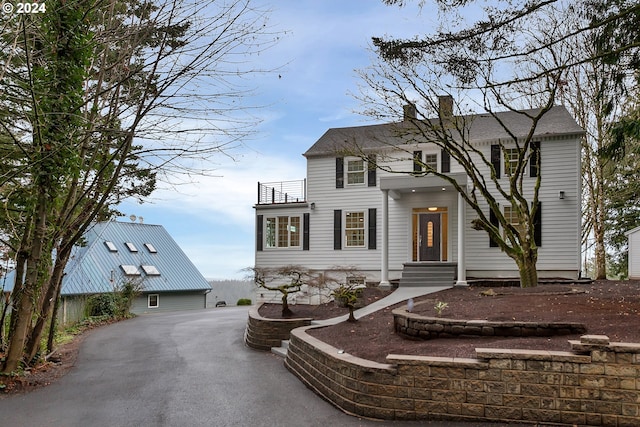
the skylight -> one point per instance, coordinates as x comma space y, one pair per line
130, 270
150, 270
111, 246
131, 247
150, 248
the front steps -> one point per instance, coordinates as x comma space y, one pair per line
428, 274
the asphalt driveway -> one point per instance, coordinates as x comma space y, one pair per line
177, 369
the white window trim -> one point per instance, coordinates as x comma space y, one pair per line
507, 156
149, 301
277, 231
424, 160
363, 228
362, 172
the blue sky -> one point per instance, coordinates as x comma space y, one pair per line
327, 40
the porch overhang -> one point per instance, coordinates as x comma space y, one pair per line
398, 185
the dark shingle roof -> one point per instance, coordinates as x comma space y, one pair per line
481, 127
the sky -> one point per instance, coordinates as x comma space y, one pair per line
326, 41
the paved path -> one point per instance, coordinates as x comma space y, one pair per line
178, 369
399, 295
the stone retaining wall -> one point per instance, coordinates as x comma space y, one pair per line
416, 326
263, 333
596, 384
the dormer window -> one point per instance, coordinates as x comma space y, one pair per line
111, 246
131, 246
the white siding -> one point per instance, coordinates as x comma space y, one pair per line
559, 255
634, 254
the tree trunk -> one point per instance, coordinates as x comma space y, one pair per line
598, 231
33, 345
29, 294
351, 318
286, 311
527, 267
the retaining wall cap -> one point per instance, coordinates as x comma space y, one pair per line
253, 313
594, 339
333, 352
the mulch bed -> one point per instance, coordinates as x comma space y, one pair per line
609, 308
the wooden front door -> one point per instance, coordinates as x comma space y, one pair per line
429, 237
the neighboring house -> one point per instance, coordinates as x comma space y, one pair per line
116, 252
634, 253
345, 213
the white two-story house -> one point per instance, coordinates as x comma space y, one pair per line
383, 223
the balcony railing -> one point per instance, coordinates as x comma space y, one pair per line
282, 192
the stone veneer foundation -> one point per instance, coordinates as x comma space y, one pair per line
417, 326
263, 333
595, 384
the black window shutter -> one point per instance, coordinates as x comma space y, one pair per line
337, 229
372, 228
493, 219
259, 235
445, 161
534, 162
371, 173
305, 232
339, 172
495, 159
537, 224
417, 161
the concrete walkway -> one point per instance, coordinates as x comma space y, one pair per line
399, 295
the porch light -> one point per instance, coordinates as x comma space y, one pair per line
561, 195
432, 209
312, 205
444, 189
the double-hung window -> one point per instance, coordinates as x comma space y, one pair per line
511, 215
431, 161
355, 229
355, 171
511, 160
283, 232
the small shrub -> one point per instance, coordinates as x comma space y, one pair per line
244, 301
440, 306
101, 305
347, 295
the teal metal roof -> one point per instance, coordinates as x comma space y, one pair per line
160, 263
112, 249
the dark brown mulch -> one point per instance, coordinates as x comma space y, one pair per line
322, 311
609, 308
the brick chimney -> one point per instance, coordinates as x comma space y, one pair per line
445, 106
410, 112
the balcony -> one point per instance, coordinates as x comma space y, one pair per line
270, 193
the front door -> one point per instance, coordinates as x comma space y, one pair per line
429, 237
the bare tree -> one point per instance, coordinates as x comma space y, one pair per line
287, 280
101, 100
485, 73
